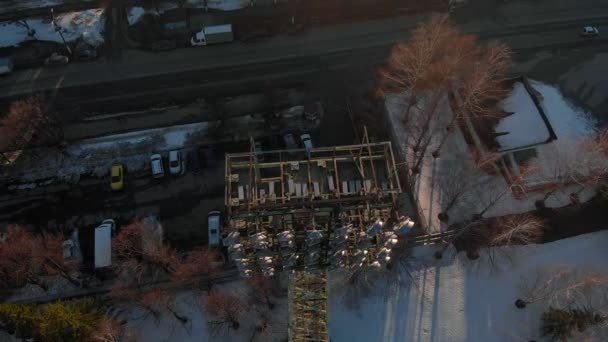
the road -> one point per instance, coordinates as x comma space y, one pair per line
141, 76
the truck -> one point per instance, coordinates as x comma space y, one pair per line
213, 35
6, 65
103, 243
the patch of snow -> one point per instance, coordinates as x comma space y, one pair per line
191, 304
455, 171
226, 5
525, 126
567, 120
11, 6
135, 15
466, 300
88, 25
222, 5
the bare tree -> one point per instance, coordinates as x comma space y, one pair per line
135, 256
481, 88
225, 309
458, 186
25, 258
262, 289
154, 301
199, 267
561, 287
111, 330
513, 230
26, 119
570, 162
423, 70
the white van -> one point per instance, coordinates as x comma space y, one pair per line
156, 163
6, 65
213, 227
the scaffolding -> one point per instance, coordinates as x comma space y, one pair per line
304, 211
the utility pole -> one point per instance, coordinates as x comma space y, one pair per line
58, 30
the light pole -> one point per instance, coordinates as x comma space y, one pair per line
58, 30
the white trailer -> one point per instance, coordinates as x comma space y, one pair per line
103, 244
213, 35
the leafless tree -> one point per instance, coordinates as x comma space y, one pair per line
199, 267
513, 230
25, 119
135, 256
262, 290
561, 287
458, 185
225, 310
154, 301
481, 88
111, 330
25, 258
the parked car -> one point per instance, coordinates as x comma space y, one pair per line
117, 177
213, 227
589, 31
290, 141
56, 59
176, 163
306, 141
156, 163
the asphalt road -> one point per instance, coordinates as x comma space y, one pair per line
143, 77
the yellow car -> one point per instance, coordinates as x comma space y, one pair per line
117, 177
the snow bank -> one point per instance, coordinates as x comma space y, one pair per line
87, 24
470, 300
135, 15
525, 126
567, 120
190, 304
222, 5
227, 5
10, 6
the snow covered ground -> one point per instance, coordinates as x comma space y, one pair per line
137, 11
95, 156
526, 127
88, 25
9, 6
191, 304
463, 300
135, 15
456, 171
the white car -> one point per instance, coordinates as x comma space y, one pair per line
156, 164
306, 141
176, 162
590, 31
